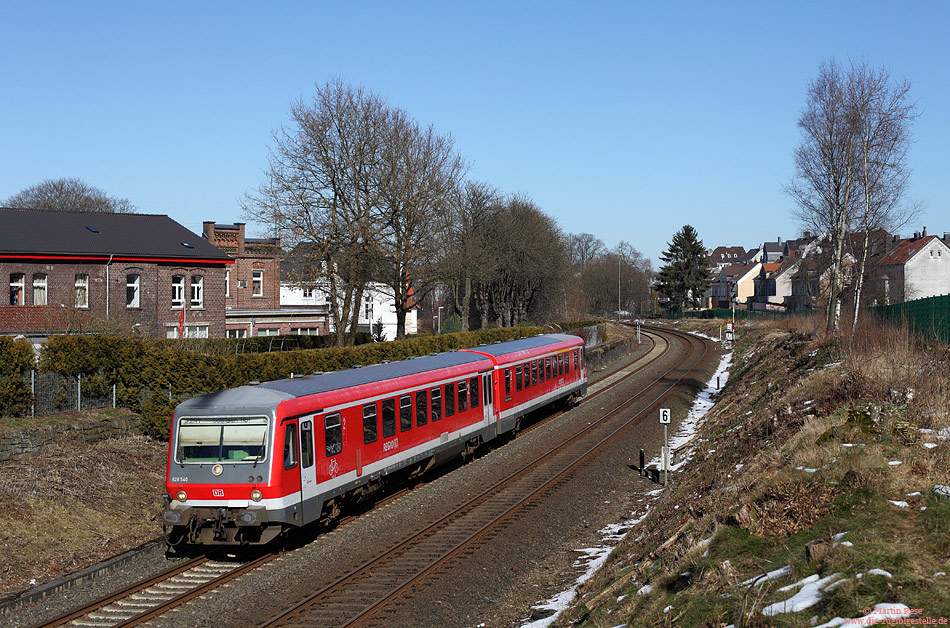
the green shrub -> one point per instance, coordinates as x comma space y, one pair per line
16, 360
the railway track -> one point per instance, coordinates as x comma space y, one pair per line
356, 597
359, 597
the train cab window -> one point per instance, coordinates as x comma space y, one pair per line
422, 408
449, 400
436, 404
389, 418
370, 428
290, 445
534, 373
333, 434
518, 377
405, 413
306, 444
473, 390
507, 382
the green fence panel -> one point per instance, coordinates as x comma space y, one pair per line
928, 317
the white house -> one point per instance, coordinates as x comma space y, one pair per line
378, 305
917, 268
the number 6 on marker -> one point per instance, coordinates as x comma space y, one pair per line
664, 416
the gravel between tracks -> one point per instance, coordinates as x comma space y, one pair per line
531, 559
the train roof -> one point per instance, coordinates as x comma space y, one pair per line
336, 380
524, 344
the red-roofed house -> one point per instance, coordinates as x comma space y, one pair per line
916, 268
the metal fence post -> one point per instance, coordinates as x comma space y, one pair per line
113, 395
33, 392
79, 392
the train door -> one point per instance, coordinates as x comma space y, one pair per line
488, 408
308, 473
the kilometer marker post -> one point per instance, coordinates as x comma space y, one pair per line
665, 451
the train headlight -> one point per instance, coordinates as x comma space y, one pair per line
182, 496
256, 495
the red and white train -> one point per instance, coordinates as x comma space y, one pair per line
246, 463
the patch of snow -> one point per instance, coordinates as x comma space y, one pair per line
940, 573
881, 613
655, 493
839, 536
925, 430
944, 434
930, 445
914, 494
800, 468
941, 490
809, 402
772, 575
807, 596
667, 609
846, 543
879, 572
739, 466
620, 598
852, 444
644, 590
899, 504
895, 463
834, 364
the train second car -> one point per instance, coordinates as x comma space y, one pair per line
247, 463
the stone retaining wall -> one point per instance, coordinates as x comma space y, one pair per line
607, 352
15, 443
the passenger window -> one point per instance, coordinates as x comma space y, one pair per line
306, 444
560, 364
507, 382
540, 369
449, 400
534, 373
389, 418
518, 377
369, 424
290, 445
577, 362
473, 390
547, 368
436, 404
422, 408
333, 434
463, 396
405, 413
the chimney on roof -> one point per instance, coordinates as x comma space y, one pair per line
780, 239
925, 231
207, 230
916, 235
806, 234
946, 236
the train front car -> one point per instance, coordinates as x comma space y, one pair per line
223, 484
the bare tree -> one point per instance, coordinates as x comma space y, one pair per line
68, 195
419, 171
826, 166
885, 114
585, 248
322, 188
463, 233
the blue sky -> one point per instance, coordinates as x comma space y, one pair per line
622, 119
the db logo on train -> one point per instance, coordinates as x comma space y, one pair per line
217, 492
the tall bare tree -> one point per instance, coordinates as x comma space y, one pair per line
885, 114
68, 195
851, 172
322, 188
419, 171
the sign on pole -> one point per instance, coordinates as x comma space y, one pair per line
664, 416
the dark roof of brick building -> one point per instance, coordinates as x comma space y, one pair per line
56, 234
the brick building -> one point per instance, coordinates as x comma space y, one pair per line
72, 272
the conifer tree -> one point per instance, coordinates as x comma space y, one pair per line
684, 278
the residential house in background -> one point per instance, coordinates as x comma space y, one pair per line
73, 272
915, 268
723, 256
735, 284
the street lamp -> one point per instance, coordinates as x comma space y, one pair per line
440, 318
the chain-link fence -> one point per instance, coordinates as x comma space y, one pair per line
55, 392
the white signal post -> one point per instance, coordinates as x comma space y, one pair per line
665, 416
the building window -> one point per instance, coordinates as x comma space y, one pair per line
132, 283
16, 289
305, 331
268, 332
82, 290
39, 289
197, 291
178, 291
258, 283
237, 333
227, 283
308, 293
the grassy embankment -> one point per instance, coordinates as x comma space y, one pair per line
821, 457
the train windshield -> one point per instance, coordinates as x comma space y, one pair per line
222, 439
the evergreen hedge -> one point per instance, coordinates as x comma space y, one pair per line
16, 361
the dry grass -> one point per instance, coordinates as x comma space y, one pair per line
75, 504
